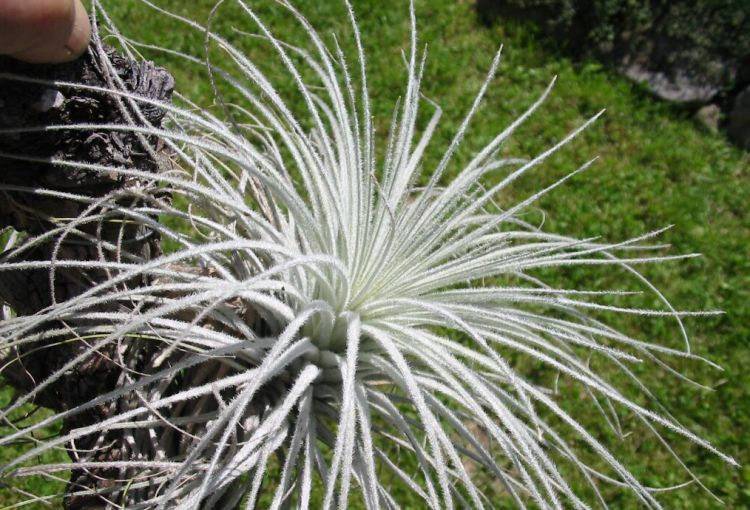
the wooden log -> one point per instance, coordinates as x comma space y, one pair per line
34, 96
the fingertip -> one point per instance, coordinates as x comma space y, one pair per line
68, 37
80, 32
76, 40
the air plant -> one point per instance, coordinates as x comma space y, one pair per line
334, 319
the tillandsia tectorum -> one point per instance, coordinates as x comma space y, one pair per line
330, 320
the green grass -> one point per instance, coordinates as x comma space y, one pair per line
656, 167
34, 485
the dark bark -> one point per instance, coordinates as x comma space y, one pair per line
25, 104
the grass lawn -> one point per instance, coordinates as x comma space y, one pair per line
656, 167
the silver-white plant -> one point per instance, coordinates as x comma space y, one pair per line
338, 320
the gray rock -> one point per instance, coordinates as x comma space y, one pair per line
677, 86
709, 116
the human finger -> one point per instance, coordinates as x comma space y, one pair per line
38, 31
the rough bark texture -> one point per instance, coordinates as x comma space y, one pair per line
25, 104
